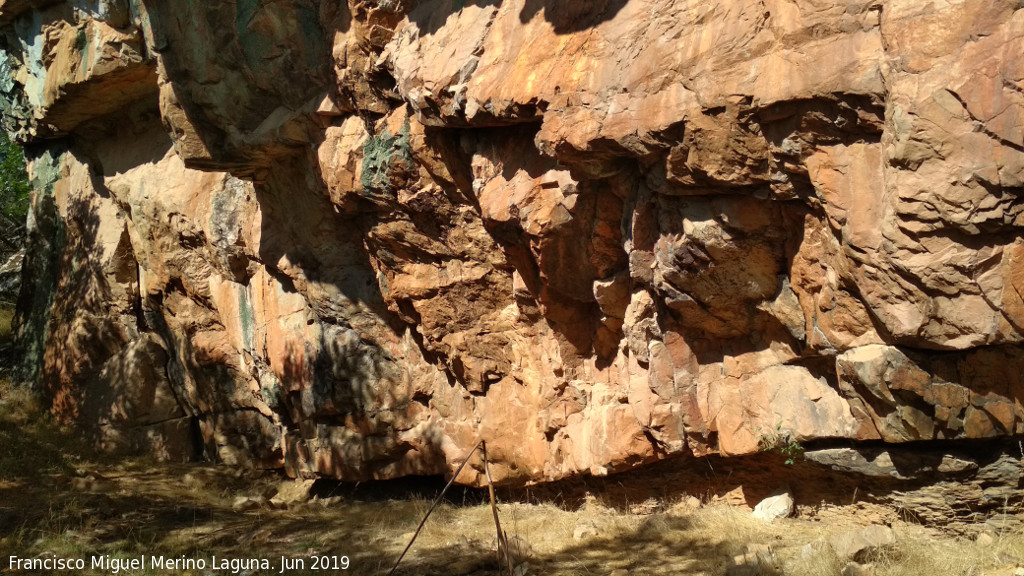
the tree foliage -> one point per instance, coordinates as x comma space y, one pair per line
14, 186
14, 194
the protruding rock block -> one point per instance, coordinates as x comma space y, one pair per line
73, 66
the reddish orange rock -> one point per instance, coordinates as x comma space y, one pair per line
354, 239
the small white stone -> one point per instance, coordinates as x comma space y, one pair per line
778, 505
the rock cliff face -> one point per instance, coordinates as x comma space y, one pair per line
352, 239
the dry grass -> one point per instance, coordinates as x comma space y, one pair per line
918, 551
922, 551
33, 445
55, 500
6, 318
680, 540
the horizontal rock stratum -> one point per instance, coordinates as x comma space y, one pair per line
351, 240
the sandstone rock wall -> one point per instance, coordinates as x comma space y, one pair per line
351, 239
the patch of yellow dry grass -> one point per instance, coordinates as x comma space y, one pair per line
690, 541
922, 551
6, 319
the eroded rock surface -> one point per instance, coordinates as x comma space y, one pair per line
351, 239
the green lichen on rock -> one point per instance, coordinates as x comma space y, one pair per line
246, 317
380, 154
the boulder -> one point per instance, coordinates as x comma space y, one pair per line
862, 544
778, 505
10, 276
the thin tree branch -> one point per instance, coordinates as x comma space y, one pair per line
504, 554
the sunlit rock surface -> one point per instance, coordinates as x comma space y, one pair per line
351, 240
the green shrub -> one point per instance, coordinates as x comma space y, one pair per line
14, 186
779, 441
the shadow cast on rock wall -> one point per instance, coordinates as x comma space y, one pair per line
565, 17
574, 15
